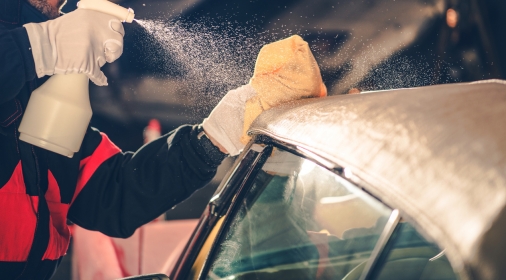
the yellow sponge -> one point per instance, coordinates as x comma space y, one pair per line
285, 70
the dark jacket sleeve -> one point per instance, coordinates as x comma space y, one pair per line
118, 192
16, 62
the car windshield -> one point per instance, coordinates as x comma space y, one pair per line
299, 221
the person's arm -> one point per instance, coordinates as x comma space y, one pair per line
16, 62
118, 192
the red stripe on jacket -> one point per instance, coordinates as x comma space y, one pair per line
105, 150
59, 234
59, 231
17, 217
18, 211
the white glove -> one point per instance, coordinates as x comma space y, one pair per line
226, 121
78, 42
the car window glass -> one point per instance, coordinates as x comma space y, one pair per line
408, 255
298, 221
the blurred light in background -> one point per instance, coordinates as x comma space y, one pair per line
452, 18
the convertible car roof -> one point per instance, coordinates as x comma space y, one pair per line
436, 153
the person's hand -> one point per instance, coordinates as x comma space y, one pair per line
224, 124
285, 71
79, 42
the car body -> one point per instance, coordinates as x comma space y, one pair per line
399, 184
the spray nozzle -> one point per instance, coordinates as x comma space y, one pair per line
107, 7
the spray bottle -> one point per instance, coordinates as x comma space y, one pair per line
59, 112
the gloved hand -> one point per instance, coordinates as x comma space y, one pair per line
78, 42
224, 124
285, 70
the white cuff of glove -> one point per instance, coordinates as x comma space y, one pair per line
40, 58
226, 121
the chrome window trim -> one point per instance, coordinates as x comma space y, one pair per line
262, 154
392, 223
234, 167
210, 216
253, 152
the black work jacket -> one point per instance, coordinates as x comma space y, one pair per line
101, 188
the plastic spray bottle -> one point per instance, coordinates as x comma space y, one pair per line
59, 112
